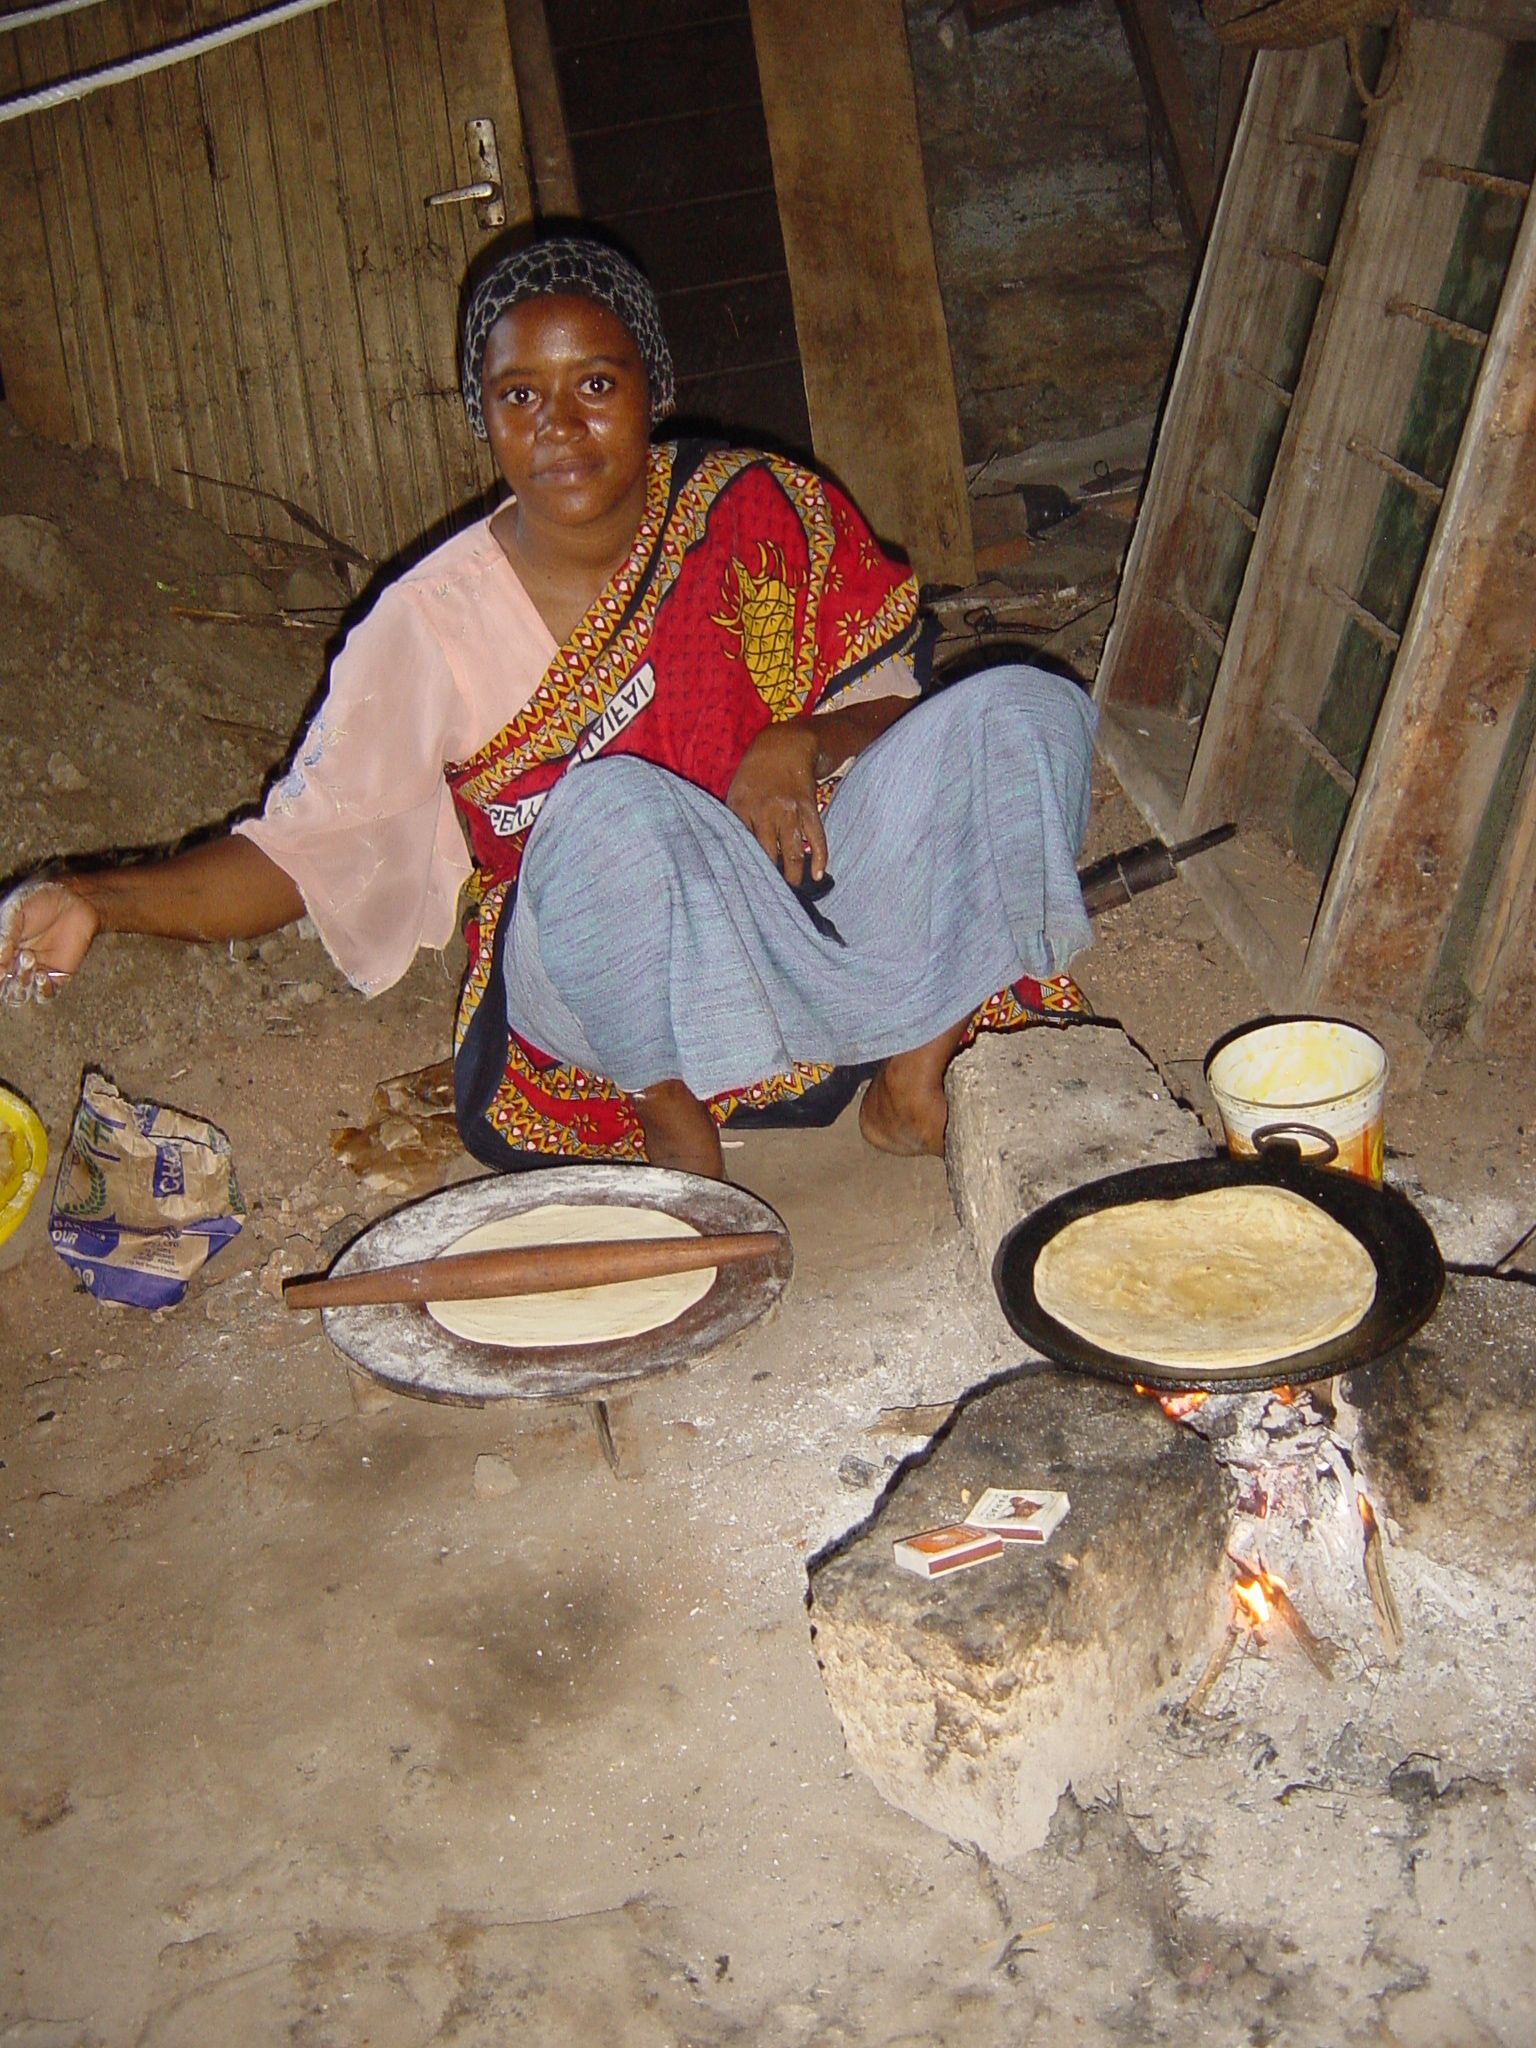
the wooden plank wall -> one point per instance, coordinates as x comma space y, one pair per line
1319, 513
1371, 718
842, 123
1171, 647
246, 283
32, 359
1454, 710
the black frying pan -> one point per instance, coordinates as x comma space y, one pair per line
1409, 1271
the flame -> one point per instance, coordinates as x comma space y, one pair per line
1286, 1396
1367, 1512
1252, 1602
1178, 1406
1173, 1405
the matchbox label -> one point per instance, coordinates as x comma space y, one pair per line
1019, 1514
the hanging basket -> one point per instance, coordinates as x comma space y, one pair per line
1292, 24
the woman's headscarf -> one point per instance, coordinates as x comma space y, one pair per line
569, 264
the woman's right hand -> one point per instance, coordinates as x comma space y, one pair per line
46, 930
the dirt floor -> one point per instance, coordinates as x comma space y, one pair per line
342, 1722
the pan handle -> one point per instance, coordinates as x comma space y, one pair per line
1281, 1138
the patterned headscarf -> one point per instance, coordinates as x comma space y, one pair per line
588, 270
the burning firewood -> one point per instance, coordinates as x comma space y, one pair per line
1388, 1616
1207, 1682
1261, 1597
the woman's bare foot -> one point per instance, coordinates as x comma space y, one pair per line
904, 1108
679, 1130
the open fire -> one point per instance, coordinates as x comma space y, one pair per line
1302, 1520
1252, 1602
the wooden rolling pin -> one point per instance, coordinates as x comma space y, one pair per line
530, 1269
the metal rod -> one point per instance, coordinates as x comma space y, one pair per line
1239, 512
1390, 466
1337, 145
1458, 330
1480, 181
85, 82
1240, 367
602, 1423
1118, 877
1207, 629
51, 12
1297, 261
1367, 621
1310, 744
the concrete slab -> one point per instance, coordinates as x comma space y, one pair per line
1034, 1113
1447, 1430
975, 1702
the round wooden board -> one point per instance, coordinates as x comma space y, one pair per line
404, 1349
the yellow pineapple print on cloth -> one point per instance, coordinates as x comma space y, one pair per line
759, 612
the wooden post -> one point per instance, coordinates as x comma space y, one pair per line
552, 174
1171, 110
842, 128
1501, 975
1232, 78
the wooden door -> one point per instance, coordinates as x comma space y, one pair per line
664, 116
227, 273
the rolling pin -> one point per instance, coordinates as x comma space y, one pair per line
530, 1269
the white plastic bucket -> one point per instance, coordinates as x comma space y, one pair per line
1307, 1079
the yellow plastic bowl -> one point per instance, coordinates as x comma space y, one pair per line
22, 1173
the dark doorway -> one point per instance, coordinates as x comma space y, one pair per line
665, 121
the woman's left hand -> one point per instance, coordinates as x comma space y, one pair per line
773, 793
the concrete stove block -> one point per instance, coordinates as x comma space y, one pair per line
1447, 1430
973, 1702
1033, 1113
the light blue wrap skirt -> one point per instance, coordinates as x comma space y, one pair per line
655, 940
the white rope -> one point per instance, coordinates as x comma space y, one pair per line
153, 60
29, 15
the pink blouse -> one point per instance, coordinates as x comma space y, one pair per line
363, 821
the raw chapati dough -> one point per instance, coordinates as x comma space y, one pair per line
1233, 1277
575, 1315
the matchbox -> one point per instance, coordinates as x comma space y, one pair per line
933, 1553
1018, 1514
